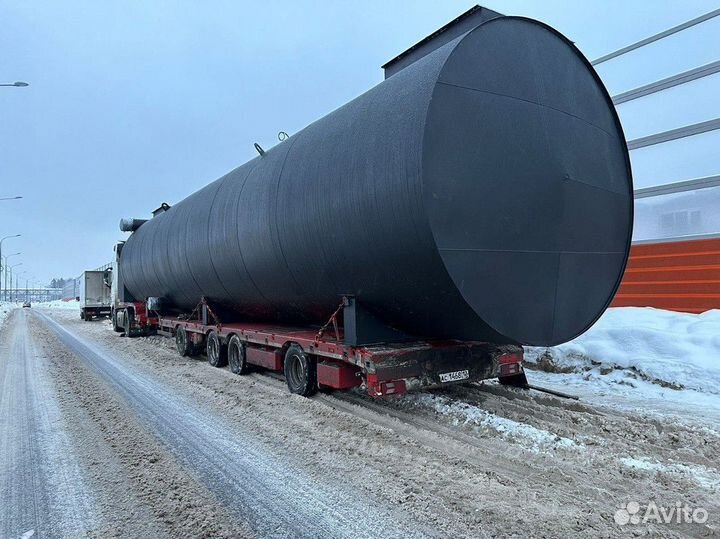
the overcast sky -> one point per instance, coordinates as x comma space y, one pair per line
136, 103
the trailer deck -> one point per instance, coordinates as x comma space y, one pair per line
382, 369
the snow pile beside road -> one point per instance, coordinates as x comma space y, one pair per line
675, 350
58, 304
5, 308
704, 476
532, 438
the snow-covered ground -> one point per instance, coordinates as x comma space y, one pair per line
5, 308
527, 436
639, 358
58, 304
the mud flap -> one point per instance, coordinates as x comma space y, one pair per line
516, 380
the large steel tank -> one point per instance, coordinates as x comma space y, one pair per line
483, 192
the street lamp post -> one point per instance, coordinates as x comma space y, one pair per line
16, 84
17, 283
6, 273
10, 198
12, 297
1, 242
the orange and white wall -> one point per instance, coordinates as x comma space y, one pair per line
665, 88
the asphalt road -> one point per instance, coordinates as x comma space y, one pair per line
105, 436
42, 483
44, 486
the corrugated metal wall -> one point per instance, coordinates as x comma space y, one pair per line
678, 276
71, 290
665, 89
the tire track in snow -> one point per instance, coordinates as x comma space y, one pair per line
273, 497
43, 490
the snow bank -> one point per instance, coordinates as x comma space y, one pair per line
676, 350
58, 304
5, 308
702, 475
532, 438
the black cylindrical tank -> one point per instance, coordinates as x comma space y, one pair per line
484, 192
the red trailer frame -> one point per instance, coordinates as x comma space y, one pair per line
134, 317
381, 369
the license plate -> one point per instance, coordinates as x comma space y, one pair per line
454, 376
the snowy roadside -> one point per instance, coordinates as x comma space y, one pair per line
451, 454
5, 308
460, 412
640, 358
58, 304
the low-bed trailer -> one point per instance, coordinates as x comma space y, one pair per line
324, 358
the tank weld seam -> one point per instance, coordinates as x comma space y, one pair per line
185, 255
603, 189
176, 284
221, 182
528, 101
237, 236
277, 227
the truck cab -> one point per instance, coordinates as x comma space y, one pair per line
129, 315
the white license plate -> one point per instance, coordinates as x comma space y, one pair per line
454, 376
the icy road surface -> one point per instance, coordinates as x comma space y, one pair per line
104, 436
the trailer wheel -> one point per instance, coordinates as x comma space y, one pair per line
216, 351
300, 372
82, 314
128, 322
116, 327
183, 344
236, 356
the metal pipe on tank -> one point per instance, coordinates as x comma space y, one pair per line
131, 225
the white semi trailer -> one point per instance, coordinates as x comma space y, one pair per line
95, 294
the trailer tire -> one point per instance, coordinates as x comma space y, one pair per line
116, 327
128, 323
82, 314
300, 372
183, 344
236, 356
217, 352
